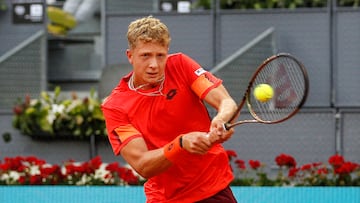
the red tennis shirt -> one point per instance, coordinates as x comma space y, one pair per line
160, 119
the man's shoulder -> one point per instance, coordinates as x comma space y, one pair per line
110, 101
175, 56
176, 60
116, 97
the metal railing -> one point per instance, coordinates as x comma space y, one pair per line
26, 63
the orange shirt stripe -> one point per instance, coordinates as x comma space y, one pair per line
125, 132
200, 85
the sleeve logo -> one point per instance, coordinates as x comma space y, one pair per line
199, 71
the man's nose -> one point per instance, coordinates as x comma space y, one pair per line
153, 63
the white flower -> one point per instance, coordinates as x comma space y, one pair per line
57, 108
4, 176
34, 170
73, 104
101, 172
33, 102
51, 118
13, 175
91, 105
83, 180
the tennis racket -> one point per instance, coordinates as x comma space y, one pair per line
290, 84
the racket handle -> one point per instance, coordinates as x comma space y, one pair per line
227, 126
224, 127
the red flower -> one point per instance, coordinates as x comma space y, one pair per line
254, 164
27, 100
72, 169
124, 173
231, 154
293, 171
18, 109
322, 171
240, 164
51, 173
128, 176
4, 167
50, 170
346, 168
90, 166
95, 162
285, 160
35, 161
112, 167
336, 160
306, 167
35, 180
22, 180
13, 163
316, 164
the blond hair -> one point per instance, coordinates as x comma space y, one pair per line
148, 29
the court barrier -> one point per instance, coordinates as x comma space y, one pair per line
135, 194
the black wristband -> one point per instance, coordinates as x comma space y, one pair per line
180, 140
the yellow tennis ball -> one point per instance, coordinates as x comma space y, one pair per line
263, 92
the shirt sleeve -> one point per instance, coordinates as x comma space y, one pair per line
200, 80
120, 132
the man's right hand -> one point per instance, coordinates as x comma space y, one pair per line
196, 142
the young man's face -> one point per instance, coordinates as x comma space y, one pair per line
148, 60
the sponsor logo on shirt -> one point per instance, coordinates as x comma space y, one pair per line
171, 94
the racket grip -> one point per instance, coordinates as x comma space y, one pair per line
224, 127
227, 126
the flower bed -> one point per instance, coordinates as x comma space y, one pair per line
35, 171
337, 172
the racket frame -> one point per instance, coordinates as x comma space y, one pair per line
246, 96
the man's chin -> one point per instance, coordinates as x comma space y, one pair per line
155, 81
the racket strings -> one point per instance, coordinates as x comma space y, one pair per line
286, 77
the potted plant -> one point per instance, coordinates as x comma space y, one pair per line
52, 117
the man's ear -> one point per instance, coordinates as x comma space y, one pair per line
129, 55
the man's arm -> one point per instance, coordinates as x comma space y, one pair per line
146, 163
220, 99
149, 163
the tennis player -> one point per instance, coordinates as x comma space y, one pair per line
157, 121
